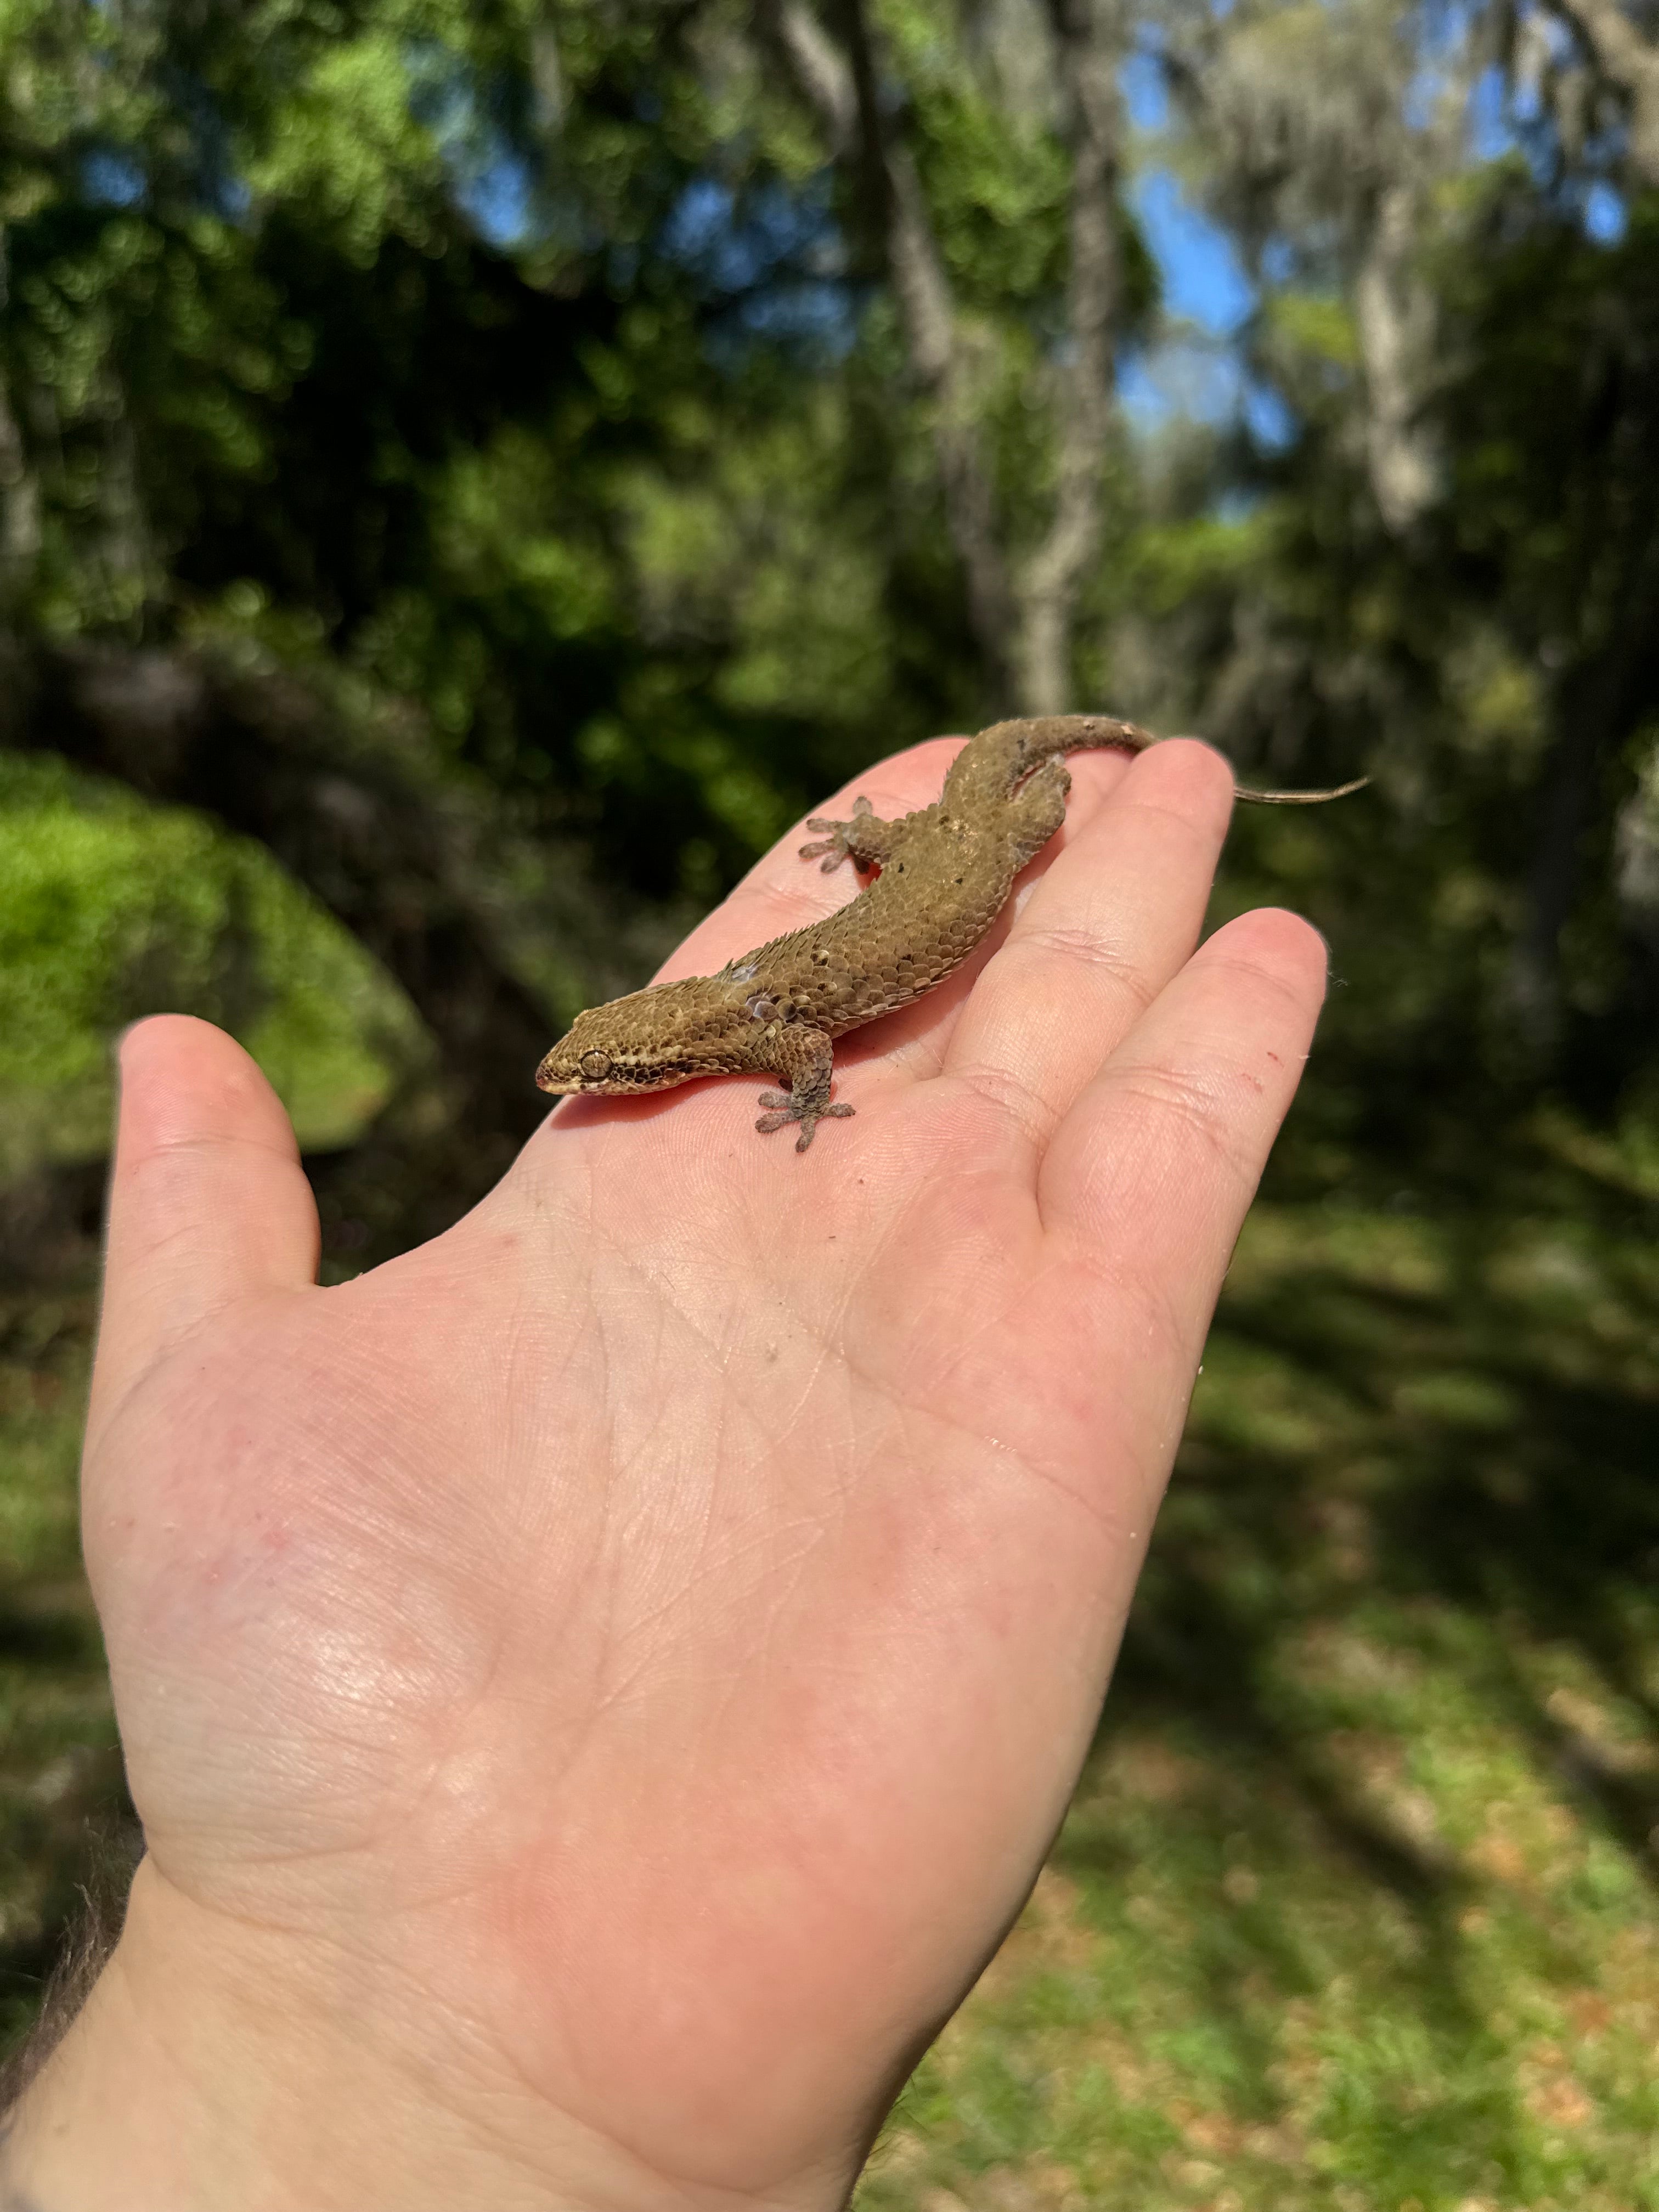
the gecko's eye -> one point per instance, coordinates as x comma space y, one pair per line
595, 1065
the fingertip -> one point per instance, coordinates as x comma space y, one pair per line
208, 1201
184, 1081
1190, 1102
1285, 946
1182, 778
1194, 763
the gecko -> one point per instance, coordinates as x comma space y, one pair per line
938, 879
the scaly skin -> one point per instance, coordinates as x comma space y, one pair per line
946, 872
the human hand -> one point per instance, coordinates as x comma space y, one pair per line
597, 1686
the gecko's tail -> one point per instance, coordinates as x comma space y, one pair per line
992, 766
1298, 798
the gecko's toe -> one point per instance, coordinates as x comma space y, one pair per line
781, 1109
809, 1123
837, 841
847, 840
835, 849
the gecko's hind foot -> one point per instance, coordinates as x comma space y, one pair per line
781, 1109
843, 841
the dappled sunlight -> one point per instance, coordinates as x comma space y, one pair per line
1360, 1890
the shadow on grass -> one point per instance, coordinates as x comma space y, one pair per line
1425, 1452
66, 1826
67, 1833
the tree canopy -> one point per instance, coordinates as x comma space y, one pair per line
507, 457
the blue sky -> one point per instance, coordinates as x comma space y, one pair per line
1197, 373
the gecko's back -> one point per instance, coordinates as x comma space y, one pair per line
946, 872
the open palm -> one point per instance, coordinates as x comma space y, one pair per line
636, 1648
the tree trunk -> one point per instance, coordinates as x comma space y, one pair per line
1022, 613
1630, 61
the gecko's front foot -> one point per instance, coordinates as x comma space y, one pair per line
844, 842
781, 1109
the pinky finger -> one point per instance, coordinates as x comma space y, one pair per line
1158, 1161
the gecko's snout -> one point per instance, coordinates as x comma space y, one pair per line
558, 1071
564, 1073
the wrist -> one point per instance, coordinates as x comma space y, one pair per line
217, 2065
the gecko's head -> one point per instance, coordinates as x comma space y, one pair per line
633, 1044
588, 1057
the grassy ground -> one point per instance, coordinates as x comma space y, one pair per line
60, 1775
1358, 1906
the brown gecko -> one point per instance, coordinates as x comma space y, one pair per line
946, 871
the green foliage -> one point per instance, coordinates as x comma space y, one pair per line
1496, 668
264, 361
1554, 439
526, 374
112, 911
997, 181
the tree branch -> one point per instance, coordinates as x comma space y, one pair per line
1086, 33
845, 94
1394, 317
19, 507
820, 76
1627, 60
1023, 621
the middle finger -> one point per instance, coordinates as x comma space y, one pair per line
1110, 923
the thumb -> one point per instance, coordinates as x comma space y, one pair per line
208, 1202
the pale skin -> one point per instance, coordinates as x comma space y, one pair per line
596, 1687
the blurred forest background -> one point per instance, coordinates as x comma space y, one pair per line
471, 472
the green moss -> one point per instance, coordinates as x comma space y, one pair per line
114, 909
